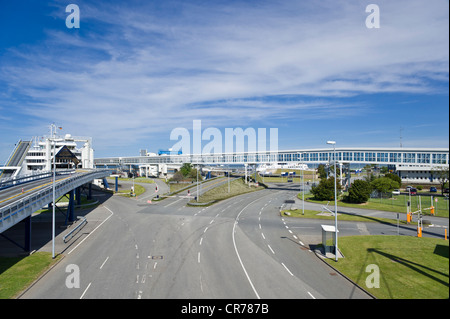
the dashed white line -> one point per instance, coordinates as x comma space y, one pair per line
287, 269
85, 290
271, 249
198, 257
201, 239
263, 236
311, 295
104, 262
205, 230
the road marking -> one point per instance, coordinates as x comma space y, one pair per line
271, 249
92, 231
290, 231
198, 257
237, 253
259, 226
201, 239
263, 236
85, 290
211, 221
311, 295
287, 269
104, 262
154, 266
205, 230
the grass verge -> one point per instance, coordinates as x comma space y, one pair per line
17, 273
341, 216
237, 187
409, 267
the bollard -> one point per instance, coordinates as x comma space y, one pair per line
446, 234
419, 232
432, 210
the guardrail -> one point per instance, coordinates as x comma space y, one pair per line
16, 211
84, 220
13, 181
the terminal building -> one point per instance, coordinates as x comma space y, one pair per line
413, 165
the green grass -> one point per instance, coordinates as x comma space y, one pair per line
409, 267
347, 217
138, 190
17, 273
136, 180
396, 204
237, 187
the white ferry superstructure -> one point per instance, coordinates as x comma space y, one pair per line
29, 157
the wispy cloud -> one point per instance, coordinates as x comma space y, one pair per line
144, 66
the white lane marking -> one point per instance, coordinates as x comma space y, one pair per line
154, 266
311, 295
92, 231
205, 230
104, 262
237, 253
287, 269
198, 257
201, 239
85, 290
271, 249
263, 236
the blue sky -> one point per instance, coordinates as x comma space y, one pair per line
136, 70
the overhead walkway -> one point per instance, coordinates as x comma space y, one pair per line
18, 205
16, 159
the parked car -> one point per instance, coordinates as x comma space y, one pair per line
445, 190
396, 192
408, 188
413, 191
433, 189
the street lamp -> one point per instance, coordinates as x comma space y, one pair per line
335, 202
303, 184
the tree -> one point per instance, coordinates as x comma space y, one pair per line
325, 189
186, 169
359, 192
321, 171
394, 177
384, 185
442, 175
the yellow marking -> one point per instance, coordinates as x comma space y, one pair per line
27, 191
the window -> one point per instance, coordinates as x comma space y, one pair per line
409, 157
382, 157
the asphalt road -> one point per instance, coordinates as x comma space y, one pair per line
240, 248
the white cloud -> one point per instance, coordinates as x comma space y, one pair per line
147, 68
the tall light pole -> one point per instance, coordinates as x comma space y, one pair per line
303, 184
335, 203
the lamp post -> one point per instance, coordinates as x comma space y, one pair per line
303, 184
335, 203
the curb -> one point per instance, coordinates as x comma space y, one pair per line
37, 279
336, 270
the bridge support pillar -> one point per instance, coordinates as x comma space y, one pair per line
27, 243
78, 195
89, 196
71, 208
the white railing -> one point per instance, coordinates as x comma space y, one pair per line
12, 213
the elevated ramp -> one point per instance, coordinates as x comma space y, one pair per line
15, 161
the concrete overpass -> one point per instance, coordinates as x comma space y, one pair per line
18, 202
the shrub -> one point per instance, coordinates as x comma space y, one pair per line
359, 192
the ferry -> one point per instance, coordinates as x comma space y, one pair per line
36, 155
